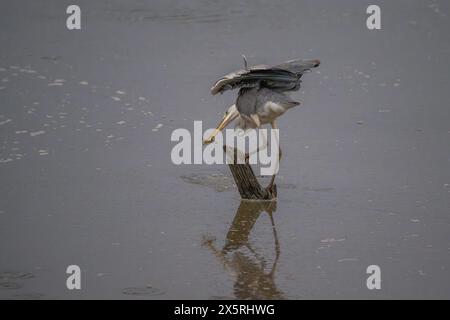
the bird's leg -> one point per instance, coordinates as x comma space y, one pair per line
274, 126
256, 119
272, 180
277, 244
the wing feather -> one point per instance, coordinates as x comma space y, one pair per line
283, 77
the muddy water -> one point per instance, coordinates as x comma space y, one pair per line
86, 175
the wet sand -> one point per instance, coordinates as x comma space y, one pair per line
86, 176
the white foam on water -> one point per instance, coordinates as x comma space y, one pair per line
328, 240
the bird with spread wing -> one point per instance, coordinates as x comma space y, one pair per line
263, 93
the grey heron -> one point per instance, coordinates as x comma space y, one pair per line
263, 94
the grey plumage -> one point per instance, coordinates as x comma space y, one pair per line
262, 96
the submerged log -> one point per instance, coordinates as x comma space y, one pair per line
247, 183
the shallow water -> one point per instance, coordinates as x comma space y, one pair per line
86, 176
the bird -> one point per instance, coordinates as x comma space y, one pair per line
263, 93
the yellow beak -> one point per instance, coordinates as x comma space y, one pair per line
229, 116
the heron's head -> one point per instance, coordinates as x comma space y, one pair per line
231, 114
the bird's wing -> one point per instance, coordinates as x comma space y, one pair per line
298, 66
283, 77
281, 99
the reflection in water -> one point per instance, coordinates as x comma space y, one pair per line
254, 280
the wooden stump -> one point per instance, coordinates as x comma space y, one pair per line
247, 183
